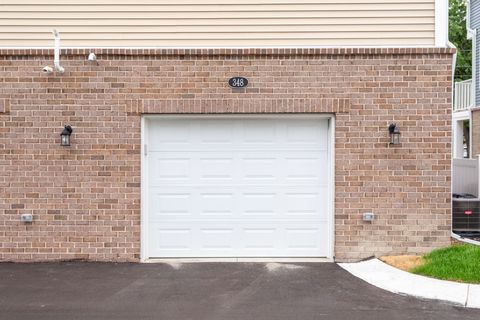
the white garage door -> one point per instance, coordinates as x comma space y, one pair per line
236, 187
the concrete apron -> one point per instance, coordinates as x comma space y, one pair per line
386, 277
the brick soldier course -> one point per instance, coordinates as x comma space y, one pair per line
86, 198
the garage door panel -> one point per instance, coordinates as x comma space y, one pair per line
229, 203
237, 187
304, 241
184, 135
261, 239
260, 168
214, 132
218, 204
258, 238
259, 204
306, 168
217, 239
239, 146
236, 167
259, 132
188, 203
308, 132
167, 203
169, 135
171, 238
216, 168
306, 203
170, 168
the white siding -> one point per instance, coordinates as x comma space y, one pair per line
215, 23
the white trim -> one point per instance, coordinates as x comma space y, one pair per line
464, 115
233, 47
244, 260
143, 195
441, 23
325, 116
461, 115
469, 29
457, 125
331, 189
331, 174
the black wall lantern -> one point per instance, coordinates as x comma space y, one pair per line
394, 133
65, 136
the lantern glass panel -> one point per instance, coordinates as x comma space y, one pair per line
65, 140
395, 138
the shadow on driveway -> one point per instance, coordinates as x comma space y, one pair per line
68, 291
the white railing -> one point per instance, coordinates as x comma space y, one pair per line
463, 95
465, 176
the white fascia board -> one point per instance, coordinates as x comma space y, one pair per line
461, 115
441, 23
470, 31
227, 47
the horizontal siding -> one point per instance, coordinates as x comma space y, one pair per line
474, 14
216, 23
475, 24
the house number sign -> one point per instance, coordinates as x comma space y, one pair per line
238, 82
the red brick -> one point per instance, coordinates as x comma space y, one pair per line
86, 197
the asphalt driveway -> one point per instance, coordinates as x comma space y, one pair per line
212, 291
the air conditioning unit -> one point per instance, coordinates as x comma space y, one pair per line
466, 213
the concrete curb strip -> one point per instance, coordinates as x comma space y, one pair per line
394, 280
474, 297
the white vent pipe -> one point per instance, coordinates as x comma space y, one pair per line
56, 59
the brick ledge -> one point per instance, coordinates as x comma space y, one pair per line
231, 52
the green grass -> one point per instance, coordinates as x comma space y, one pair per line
457, 263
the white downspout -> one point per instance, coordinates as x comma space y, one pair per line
56, 59
454, 62
472, 35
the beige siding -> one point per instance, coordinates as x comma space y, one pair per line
216, 23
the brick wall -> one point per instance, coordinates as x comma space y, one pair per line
86, 198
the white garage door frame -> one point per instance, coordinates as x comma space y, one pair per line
331, 178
